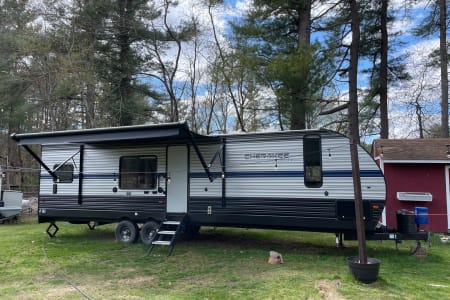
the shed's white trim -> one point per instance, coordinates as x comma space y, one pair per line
419, 161
383, 214
447, 189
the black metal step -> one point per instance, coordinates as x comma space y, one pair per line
168, 232
171, 222
163, 243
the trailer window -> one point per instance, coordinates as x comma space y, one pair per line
64, 173
312, 159
137, 172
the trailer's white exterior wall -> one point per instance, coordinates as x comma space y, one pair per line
199, 184
280, 172
101, 169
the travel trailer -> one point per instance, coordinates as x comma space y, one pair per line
148, 176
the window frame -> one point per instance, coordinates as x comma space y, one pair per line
63, 175
150, 181
312, 166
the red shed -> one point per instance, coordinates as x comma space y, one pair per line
417, 174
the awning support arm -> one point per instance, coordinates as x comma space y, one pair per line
217, 154
80, 175
70, 158
199, 155
39, 160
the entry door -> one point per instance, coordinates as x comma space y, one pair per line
177, 179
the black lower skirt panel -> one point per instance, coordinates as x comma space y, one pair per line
328, 215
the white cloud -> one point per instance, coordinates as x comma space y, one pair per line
184, 13
243, 6
421, 92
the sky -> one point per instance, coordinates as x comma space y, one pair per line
425, 83
402, 122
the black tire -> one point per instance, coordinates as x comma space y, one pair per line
148, 232
126, 232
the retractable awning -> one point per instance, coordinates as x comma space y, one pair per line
126, 134
169, 133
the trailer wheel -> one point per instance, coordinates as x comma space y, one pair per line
148, 232
126, 232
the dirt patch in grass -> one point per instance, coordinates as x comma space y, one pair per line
328, 289
137, 280
204, 281
131, 281
199, 279
59, 292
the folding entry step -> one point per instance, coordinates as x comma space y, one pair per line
168, 232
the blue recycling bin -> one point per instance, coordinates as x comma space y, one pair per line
421, 215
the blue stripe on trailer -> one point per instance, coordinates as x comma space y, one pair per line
363, 173
252, 174
95, 175
264, 174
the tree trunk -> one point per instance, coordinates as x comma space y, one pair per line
124, 85
298, 112
354, 129
12, 157
444, 68
90, 105
239, 117
89, 98
419, 118
384, 123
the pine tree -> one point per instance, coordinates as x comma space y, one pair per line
16, 36
277, 34
118, 62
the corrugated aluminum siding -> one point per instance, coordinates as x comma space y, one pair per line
101, 169
253, 172
57, 154
277, 171
200, 186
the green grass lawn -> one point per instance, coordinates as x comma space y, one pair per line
218, 264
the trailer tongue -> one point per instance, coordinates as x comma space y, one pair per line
408, 228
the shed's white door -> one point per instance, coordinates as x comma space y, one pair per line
177, 173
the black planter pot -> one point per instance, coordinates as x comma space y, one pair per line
365, 273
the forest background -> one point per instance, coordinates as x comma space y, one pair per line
221, 66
